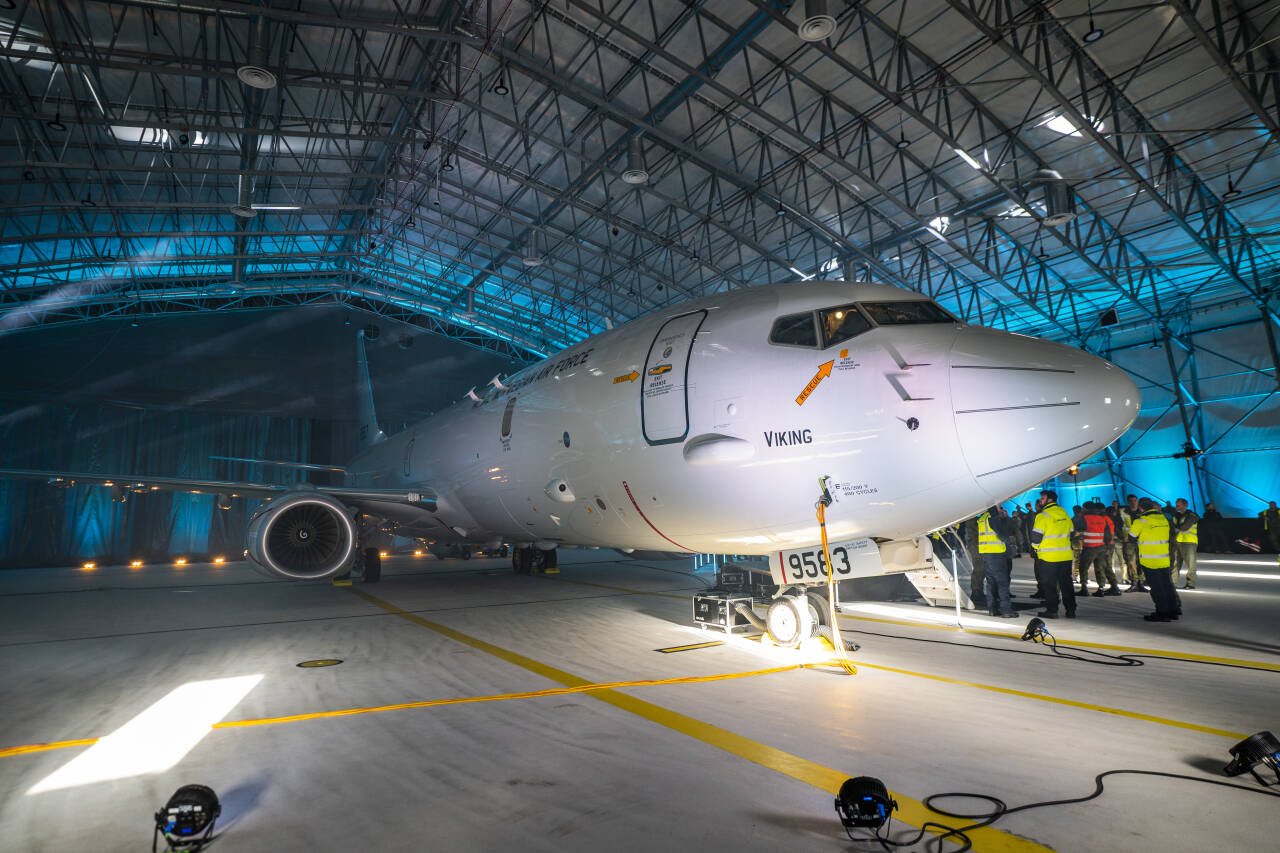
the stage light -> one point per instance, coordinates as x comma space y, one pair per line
417, 553
864, 802
186, 821
88, 567
1261, 748
1036, 632
383, 554
181, 561
135, 564
218, 561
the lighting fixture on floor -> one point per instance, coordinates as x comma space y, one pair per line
186, 821
1036, 632
864, 802
1261, 748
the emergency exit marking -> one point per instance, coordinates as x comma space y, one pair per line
309, 664
824, 370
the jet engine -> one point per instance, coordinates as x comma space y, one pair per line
302, 536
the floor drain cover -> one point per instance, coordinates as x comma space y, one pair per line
307, 664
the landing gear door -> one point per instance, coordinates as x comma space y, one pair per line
664, 396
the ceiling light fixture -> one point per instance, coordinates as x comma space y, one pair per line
818, 23
965, 156
530, 257
1094, 32
242, 211
1059, 201
276, 206
636, 173
500, 85
56, 124
256, 77
902, 144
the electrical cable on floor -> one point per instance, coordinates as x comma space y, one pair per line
1001, 809
1137, 660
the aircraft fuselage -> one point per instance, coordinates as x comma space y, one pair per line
690, 430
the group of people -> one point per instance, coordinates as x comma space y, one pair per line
1148, 545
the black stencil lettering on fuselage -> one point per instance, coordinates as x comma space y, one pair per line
788, 437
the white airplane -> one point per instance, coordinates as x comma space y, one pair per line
706, 428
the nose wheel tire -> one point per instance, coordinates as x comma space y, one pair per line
817, 608
789, 621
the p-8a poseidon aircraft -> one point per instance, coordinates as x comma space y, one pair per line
706, 427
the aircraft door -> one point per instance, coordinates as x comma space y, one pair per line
664, 394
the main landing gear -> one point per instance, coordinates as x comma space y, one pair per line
529, 560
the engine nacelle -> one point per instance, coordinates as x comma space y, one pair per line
303, 536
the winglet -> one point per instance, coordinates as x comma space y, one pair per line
366, 418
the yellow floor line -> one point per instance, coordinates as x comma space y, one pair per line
827, 779
1104, 709
502, 697
27, 749
431, 703
1164, 653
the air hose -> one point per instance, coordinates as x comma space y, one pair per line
837, 642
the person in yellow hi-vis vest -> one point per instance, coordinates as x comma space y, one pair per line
1152, 532
1271, 525
1187, 524
993, 536
1051, 541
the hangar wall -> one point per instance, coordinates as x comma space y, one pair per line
45, 526
1226, 400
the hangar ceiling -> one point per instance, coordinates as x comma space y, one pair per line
461, 166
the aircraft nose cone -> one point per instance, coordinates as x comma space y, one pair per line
1026, 409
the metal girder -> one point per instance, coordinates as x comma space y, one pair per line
1260, 80
923, 89
1027, 34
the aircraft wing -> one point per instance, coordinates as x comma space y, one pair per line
142, 483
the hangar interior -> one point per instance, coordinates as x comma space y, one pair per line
204, 202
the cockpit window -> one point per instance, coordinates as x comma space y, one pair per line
840, 324
795, 330
905, 313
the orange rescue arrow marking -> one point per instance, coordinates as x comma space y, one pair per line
824, 370
629, 377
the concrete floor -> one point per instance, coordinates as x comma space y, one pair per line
743, 764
